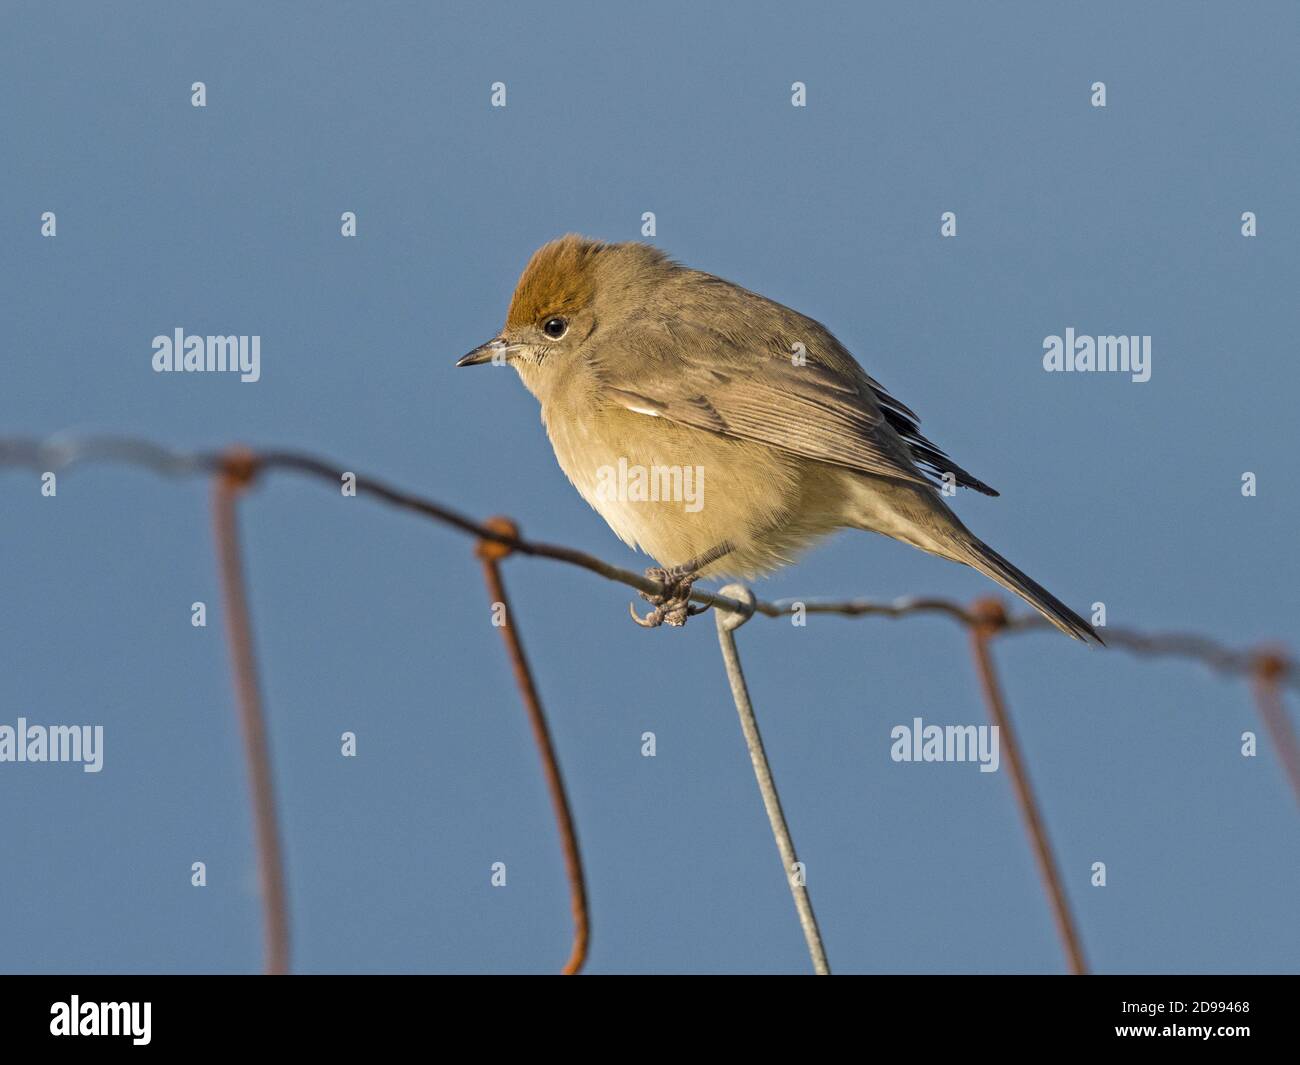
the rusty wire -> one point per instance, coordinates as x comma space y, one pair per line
1268, 697
992, 618
229, 482
1269, 669
490, 553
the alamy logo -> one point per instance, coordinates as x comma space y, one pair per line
920, 742
1080, 354
102, 1018
652, 484
53, 743
211, 354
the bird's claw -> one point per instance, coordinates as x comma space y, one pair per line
673, 606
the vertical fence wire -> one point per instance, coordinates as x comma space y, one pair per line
226, 487
990, 617
728, 622
490, 553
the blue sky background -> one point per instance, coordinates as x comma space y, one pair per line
226, 220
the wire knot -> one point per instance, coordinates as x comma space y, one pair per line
495, 550
239, 466
989, 614
1270, 664
729, 619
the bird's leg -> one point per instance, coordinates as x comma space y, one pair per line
673, 605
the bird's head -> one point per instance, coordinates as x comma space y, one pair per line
573, 292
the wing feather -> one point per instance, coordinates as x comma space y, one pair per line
826, 409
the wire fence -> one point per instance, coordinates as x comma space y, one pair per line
1269, 669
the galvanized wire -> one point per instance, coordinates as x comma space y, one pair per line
727, 625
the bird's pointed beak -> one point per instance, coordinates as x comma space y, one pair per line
494, 349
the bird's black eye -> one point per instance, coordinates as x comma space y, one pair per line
555, 327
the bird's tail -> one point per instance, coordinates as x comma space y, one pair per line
979, 555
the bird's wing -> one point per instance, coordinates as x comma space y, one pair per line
925, 453
744, 383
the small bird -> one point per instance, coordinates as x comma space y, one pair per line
641, 364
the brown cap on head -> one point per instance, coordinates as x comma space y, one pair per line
561, 276
558, 278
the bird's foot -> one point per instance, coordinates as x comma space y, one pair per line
673, 606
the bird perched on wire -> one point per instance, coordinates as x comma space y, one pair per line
719, 431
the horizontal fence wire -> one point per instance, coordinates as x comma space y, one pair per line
1269, 669
57, 454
